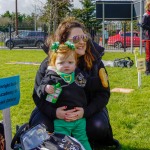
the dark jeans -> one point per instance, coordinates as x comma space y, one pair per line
98, 126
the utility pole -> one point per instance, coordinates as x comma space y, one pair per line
35, 17
16, 20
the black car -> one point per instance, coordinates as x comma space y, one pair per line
27, 39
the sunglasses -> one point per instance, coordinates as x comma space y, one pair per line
77, 38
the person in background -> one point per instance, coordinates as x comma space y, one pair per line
106, 35
92, 33
145, 24
89, 53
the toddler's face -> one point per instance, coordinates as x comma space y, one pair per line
65, 65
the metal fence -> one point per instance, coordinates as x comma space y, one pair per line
117, 36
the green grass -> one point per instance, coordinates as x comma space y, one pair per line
1, 43
129, 113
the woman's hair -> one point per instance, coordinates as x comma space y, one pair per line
147, 4
63, 50
62, 33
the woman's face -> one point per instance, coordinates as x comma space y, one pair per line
79, 38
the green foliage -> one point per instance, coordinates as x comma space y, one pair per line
129, 113
54, 11
87, 14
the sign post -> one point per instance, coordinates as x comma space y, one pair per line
9, 96
140, 68
136, 53
7, 127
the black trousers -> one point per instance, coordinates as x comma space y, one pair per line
98, 126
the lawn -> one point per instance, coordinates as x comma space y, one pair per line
129, 113
1, 43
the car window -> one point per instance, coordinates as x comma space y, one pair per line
40, 34
136, 34
32, 34
129, 34
23, 34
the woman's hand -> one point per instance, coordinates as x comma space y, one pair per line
74, 115
61, 112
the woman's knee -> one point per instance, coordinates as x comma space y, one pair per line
39, 118
98, 126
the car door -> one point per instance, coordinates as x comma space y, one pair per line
31, 39
128, 39
20, 39
136, 39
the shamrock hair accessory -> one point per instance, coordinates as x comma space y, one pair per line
55, 46
70, 45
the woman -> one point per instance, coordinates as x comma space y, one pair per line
146, 35
89, 59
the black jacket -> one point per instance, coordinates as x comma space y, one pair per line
97, 100
145, 26
72, 95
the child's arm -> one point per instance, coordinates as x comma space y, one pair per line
45, 86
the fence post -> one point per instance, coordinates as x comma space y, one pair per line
10, 36
124, 37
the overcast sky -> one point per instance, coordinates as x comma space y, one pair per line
24, 6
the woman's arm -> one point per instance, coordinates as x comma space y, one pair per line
145, 23
98, 100
44, 106
40, 73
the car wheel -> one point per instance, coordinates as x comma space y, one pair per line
10, 44
117, 45
39, 44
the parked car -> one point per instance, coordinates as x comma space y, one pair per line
2, 36
118, 40
27, 39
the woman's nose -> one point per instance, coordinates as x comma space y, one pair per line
81, 40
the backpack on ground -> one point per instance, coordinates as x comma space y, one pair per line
37, 138
123, 62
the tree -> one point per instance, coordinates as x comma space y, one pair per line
88, 15
54, 11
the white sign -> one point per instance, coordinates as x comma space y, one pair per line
141, 65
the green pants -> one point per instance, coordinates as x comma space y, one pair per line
75, 128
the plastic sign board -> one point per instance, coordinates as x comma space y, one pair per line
9, 91
141, 65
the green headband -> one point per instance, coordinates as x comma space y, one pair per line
55, 46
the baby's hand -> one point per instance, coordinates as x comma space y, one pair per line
49, 89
